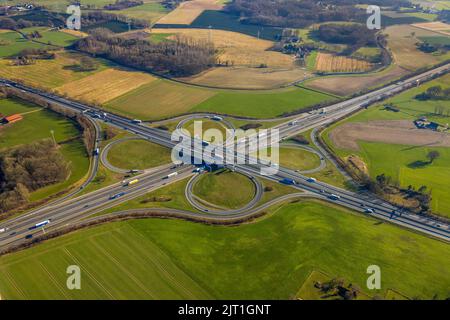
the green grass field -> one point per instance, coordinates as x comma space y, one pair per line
409, 166
138, 154
37, 124
12, 43
262, 104
225, 189
52, 37
146, 259
442, 40
159, 99
164, 99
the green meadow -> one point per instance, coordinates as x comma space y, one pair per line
407, 164
145, 259
37, 124
262, 104
12, 43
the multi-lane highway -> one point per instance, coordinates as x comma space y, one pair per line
69, 211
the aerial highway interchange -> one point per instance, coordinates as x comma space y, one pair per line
71, 209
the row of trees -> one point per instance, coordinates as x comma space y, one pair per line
123, 4
28, 168
350, 34
434, 93
181, 57
293, 13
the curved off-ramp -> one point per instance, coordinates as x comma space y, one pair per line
106, 149
321, 156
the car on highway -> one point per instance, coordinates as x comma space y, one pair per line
288, 181
3, 230
311, 180
217, 118
368, 210
28, 236
334, 197
117, 195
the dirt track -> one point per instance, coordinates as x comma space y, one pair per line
405, 132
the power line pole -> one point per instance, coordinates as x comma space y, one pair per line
53, 137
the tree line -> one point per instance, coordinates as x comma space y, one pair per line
291, 13
356, 35
434, 93
183, 56
28, 168
123, 4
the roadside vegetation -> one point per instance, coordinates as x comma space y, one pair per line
290, 238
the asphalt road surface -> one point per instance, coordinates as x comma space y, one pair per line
65, 212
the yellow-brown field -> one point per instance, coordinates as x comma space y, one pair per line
237, 48
249, 78
347, 85
76, 33
331, 63
105, 85
439, 27
46, 73
402, 41
188, 11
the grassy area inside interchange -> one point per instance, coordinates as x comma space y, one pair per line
225, 189
398, 161
145, 258
36, 125
138, 154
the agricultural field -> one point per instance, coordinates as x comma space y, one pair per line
348, 85
37, 124
236, 48
58, 71
249, 78
138, 154
390, 18
134, 254
225, 189
262, 104
150, 11
438, 27
188, 11
326, 62
402, 43
158, 99
401, 153
61, 5
105, 85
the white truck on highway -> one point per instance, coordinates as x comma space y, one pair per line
171, 175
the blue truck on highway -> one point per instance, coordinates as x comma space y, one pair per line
117, 195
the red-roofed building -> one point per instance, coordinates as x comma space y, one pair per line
12, 118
